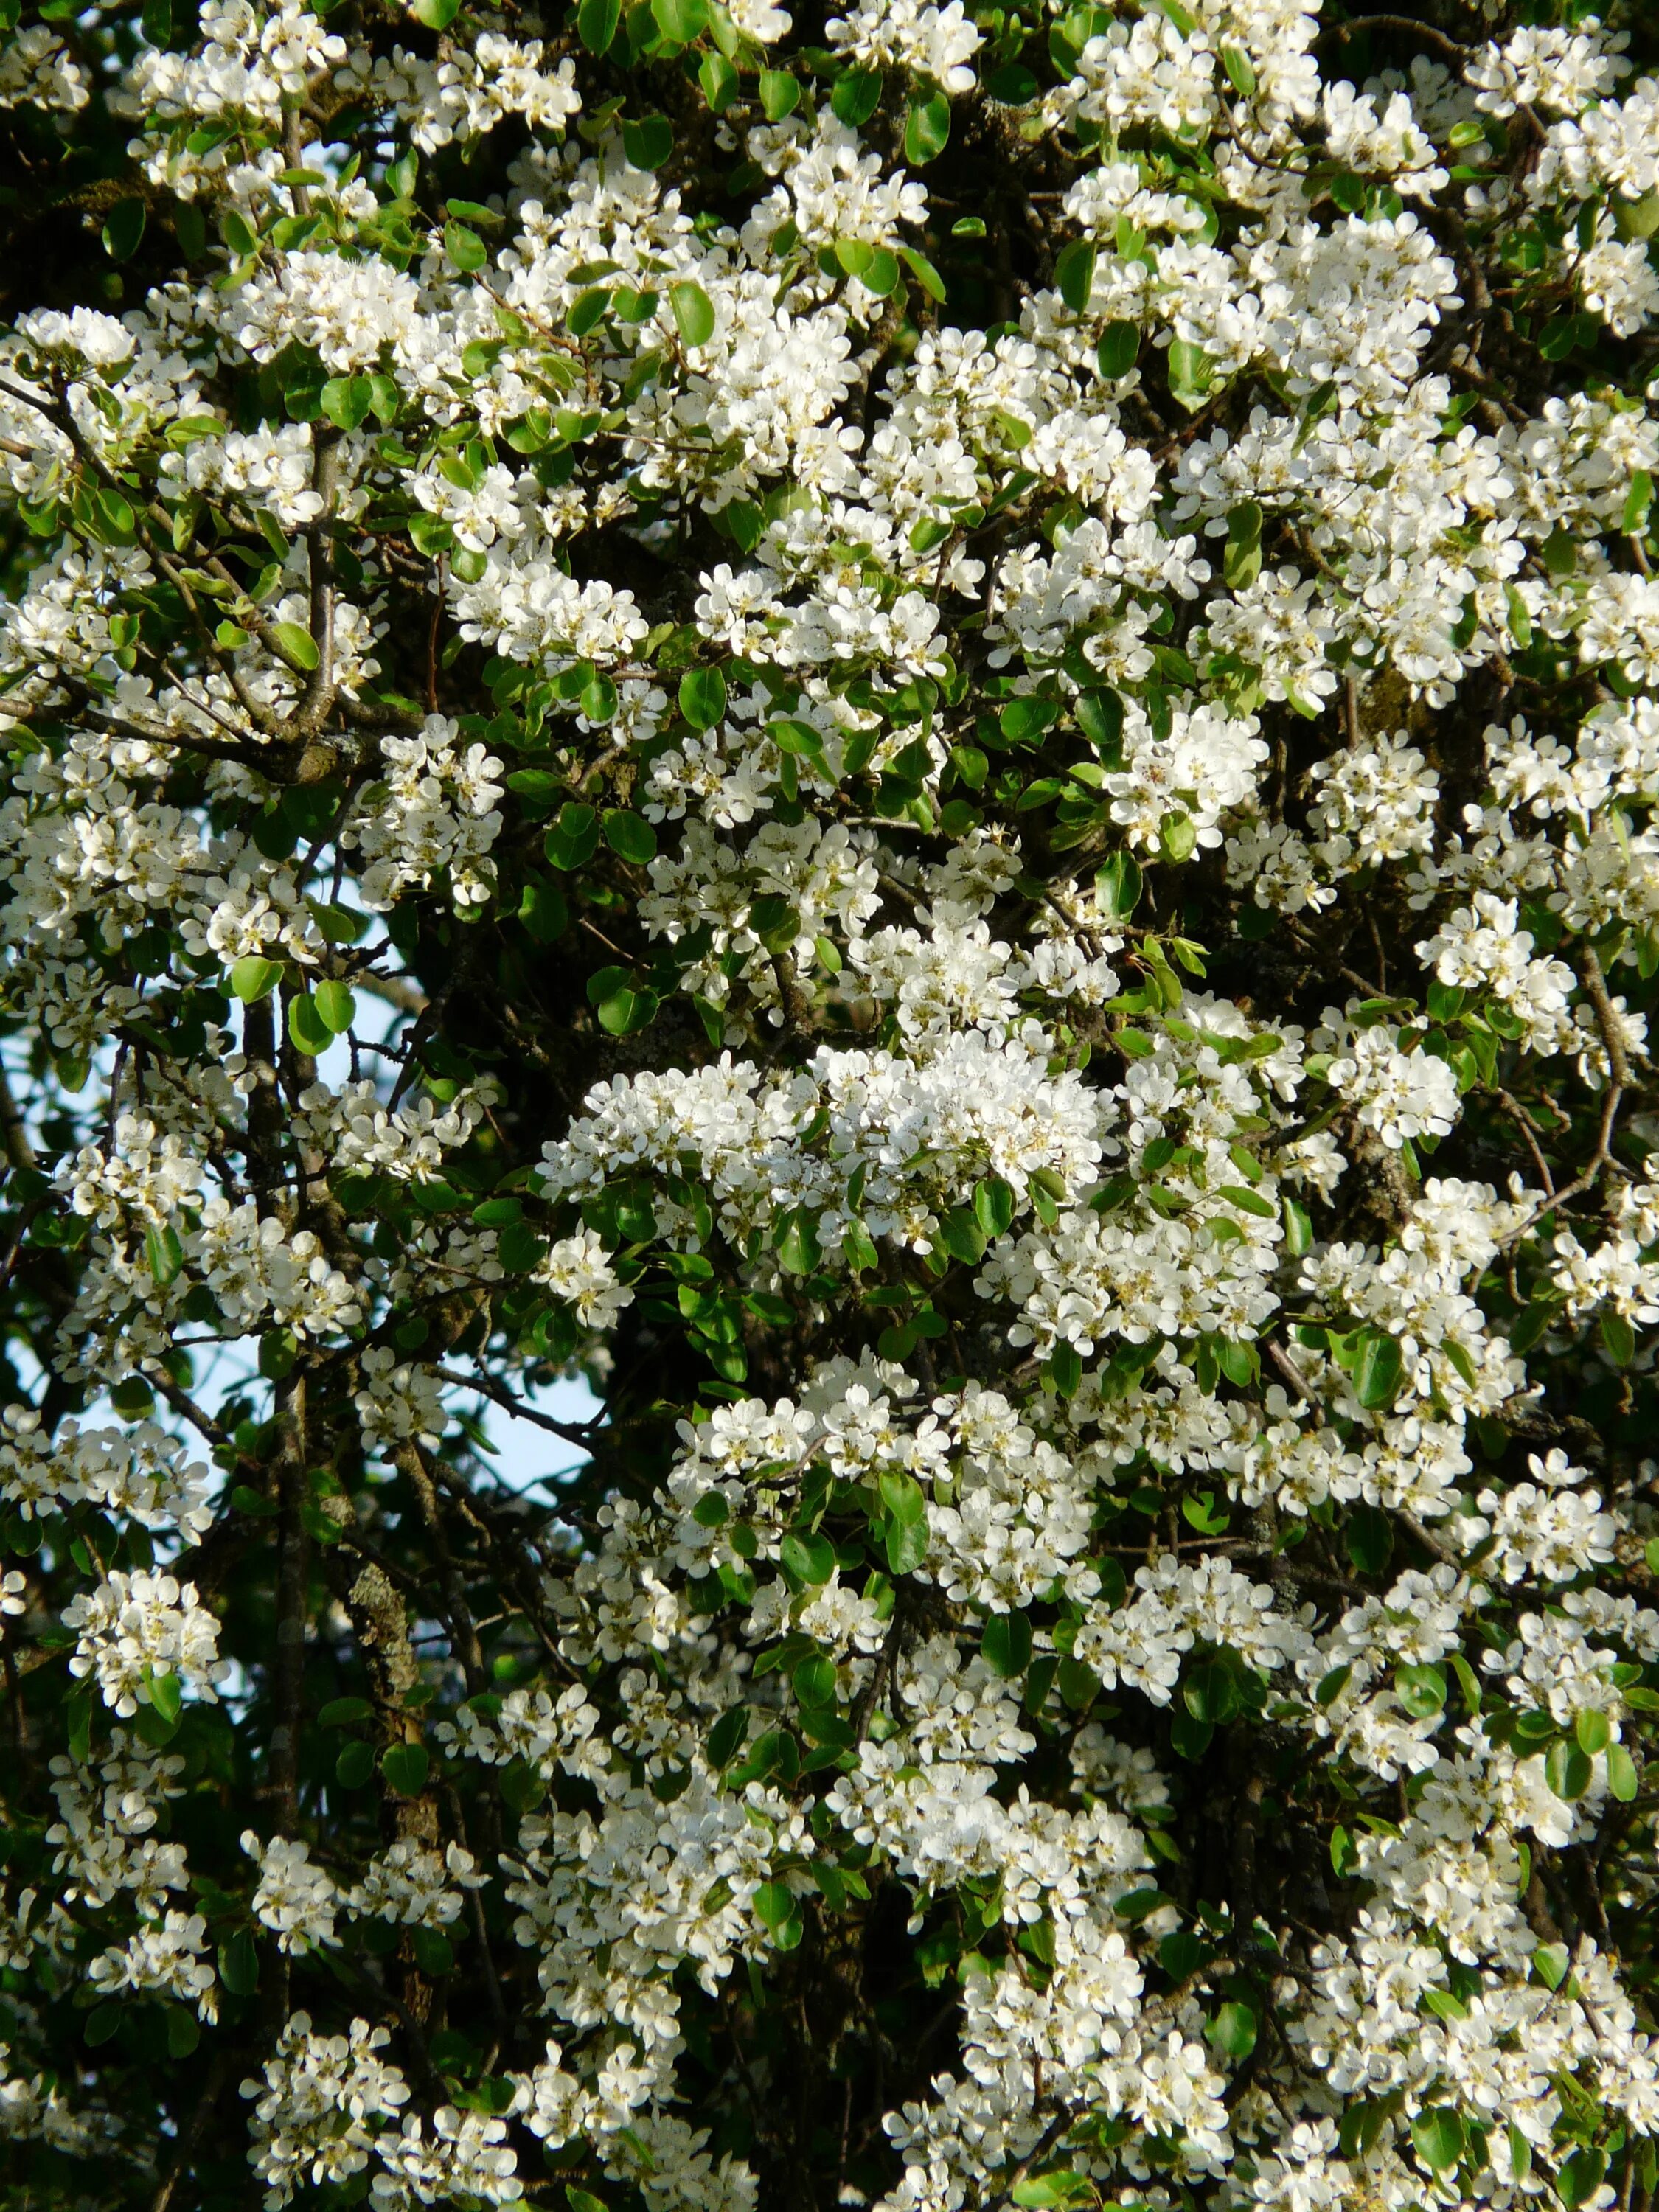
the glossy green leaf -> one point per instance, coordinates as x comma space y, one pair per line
703, 697
1006, 1640
124, 229
630, 836
1438, 2136
1378, 1372
306, 1025
252, 978
927, 128
648, 143
596, 24
1074, 274
298, 644
405, 1766
856, 96
336, 1006
465, 247
694, 313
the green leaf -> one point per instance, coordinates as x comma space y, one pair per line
354, 1765
1618, 1338
811, 1560
1023, 721
575, 837
124, 229
1210, 1693
77, 1713
961, 1236
1100, 718
1191, 372
694, 316
465, 247
1622, 1780
906, 1546
904, 1498
164, 1255
436, 14
543, 911
520, 1249
167, 1695
596, 24
1581, 2176
406, 1767
1438, 2136
719, 81
117, 521
648, 143
599, 700
1550, 1962
702, 696
1534, 1322
1177, 837
924, 272
797, 737
775, 1904
307, 1027
1118, 886
298, 644
727, 1735
856, 97
993, 1205
1593, 1730
239, 232
779, 94
1369, 1539
1233, 2031
336, 1007
1066, 1369
927, 128
630, 836
1467, 1681
588, 310
279, 1353
1006, 1644
343, 1713
347, 400
252, 978
239, 1965
680, 21
430, 534
1044, 2193
1240, 74
1421, 1691
434, 1955
799, 1251
1241, 563
1378, 1371
1074, 274
1120, 343
627, 1009
1567, 1770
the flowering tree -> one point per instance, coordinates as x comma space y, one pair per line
930, 736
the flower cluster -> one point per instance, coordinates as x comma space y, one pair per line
830, 1224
